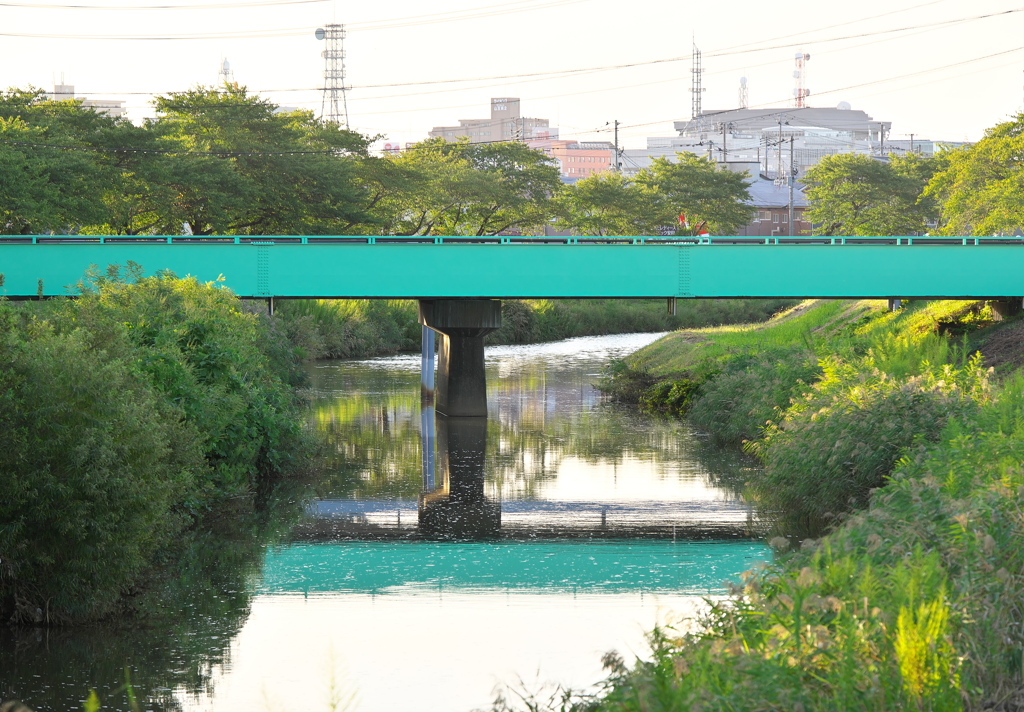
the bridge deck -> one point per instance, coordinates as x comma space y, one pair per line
506, 267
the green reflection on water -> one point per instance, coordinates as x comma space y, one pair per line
370, 427
551, 567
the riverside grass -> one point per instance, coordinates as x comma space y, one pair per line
915, 598
346, 328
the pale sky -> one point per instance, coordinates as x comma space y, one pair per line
938, 69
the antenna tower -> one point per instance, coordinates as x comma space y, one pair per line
744, 96
696, 89
800, 93
334, 106
227, 77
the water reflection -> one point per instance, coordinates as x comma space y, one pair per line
552, 460
455, 507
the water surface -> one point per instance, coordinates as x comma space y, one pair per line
510, 551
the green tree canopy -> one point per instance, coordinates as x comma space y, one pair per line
700, 189
442, 188
607, 204
51, 178
651, 203
854, 194
980, 188
246, 168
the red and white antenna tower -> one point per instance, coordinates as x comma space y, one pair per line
800, 93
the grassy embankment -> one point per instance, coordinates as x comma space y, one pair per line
359, 327
129, 419
909, 451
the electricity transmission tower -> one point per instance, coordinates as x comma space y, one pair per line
334, 106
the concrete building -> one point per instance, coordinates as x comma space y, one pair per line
506, 123
110, 107
577, 159
779, 140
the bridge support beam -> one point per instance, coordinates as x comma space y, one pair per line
1007, 307
461, 386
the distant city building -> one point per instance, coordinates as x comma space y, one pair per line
780, 140
771, 201
506, 123
577, 159
110, 107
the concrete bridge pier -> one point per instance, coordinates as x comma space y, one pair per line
461, 385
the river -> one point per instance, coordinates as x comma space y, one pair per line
511, 558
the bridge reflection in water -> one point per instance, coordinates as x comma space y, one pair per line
453, 505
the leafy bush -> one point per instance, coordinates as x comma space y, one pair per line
738, 403
842, 439
672, 397
201, 350
125, 415
93, 462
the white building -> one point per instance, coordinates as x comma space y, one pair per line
110, 107
777, 139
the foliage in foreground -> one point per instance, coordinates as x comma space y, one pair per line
125, 415
915, 602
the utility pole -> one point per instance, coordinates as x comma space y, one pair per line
789, 179
725, 153
778, 169
618, 167
911, 143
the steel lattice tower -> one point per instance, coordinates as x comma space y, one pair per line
696, 89
334, 106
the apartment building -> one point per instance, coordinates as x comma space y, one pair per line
506, 123
578, 159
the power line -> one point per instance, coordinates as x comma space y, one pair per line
171, 151
212, 6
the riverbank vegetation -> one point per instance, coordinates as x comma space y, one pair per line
128, 415
901, 449
346, 328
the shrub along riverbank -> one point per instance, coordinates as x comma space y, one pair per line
127, 416
909, 451
323, 328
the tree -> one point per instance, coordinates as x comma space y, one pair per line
980, 189
442, 188
51, 178
700, 189
607, 204
853, 194
243, 167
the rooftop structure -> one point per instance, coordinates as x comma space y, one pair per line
781, 140
506, 123
110, 107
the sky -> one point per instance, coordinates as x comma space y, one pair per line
937, 69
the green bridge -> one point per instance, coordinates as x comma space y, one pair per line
459, 280
507, 267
